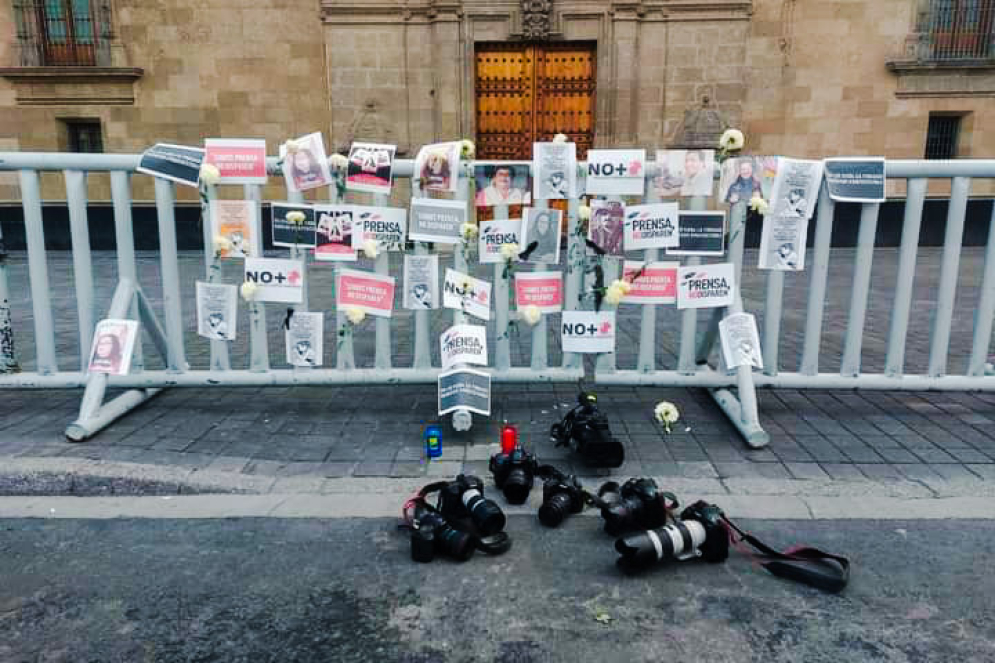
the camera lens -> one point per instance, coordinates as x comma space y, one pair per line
456, 544
620, 517
517, 486
487, 515
555, 509
641, 550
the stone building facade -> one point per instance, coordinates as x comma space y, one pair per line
801, 77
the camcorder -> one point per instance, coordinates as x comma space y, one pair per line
636, 504
585, 430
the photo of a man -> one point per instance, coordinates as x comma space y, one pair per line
217, 325
746, 185
503, 184
606, 226
421, 296
685, 173
305, 353
697, 174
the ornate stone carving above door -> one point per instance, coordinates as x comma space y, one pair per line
535, 19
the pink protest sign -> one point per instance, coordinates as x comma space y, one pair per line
238, 161
544, 290
369, 292
657, 284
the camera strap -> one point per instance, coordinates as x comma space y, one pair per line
804, 564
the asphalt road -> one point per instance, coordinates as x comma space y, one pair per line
345, 590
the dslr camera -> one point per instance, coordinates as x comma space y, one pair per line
697, 533
562, 495
464, 498
514, 473
431, 533
585, 430
637, 504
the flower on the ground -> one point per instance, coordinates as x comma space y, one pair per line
209, 174
560, 138
221, 245
731, 140
509, 250
666, 413
468, 149
530, 314
758, 204
616, 291
296, 218
370, 248
338, 162
583, 212
355, 315
468, 231
291, 146
248, 291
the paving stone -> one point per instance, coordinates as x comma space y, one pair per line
954, 472
986, 472
918, 472
807, 471
227, 463
879, 471
843, 471
696, 470
373, 468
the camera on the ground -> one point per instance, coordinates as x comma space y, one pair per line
636, 504
585, 430
698, 533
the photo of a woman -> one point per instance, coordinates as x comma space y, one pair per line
106, 354
543, 226
435, 172
305, 165
305, 169
113, 341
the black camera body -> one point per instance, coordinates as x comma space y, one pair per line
431, 533
464, 498
585, 430
716, 546
514, 473
636, 504
561, 496
698, 533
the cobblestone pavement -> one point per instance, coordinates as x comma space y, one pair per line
376, 430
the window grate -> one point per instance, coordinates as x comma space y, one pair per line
941, 136
84, 136
960, 29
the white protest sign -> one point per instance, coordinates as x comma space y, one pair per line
462, 291
216, 311
435, 220
493, 234
796, 188
464, 344
383, 225
616, 172
421, 281
588, 331
465, 389
741, 341
651, 226
304, 339
277, 280
705, 286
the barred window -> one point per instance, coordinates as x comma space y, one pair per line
960, 29
83, 135
942, 136
64, 33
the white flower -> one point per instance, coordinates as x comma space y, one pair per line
248, 291
560, 138
221, 245
370, 248
466, 285
509, 250
666, 413
355, 315
758, 204
468, 149
614, 294
209, 174
291, 146
623, 285
732, 140
338, 162
296, 218
468, 231
583, 212
530, 314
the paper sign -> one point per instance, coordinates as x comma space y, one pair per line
493, 234
544, 290
856, 179
651, 226
436, 220
421, 282
502, 183
277, 280
304, 339
217, 311
437, 166
367, 291
700, 234
334, 237
554, 170
684, 173
464, 344
616, 172
461, 291
465, 389
657, 283
606, 228
383, 225
796, 188
113, 343
370, 167
240, 161
740, 341
289, 234
782, 243
705, 286
235, 220
543, 227
176, 163
588, 331
307, 167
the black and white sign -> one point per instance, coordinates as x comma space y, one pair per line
436, 220
470, 295
740, 341
796, 188
700, 234
289, 234
277, 280
651, 226
543, 227
855, 179
421, 282
588, 331
370, 166
616, 172
705, 286
465, 389
554, 170
176, 163
216, 311
464, 344
782, 243
493, 234
383, 225
304, 339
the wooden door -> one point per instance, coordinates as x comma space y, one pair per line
531, 92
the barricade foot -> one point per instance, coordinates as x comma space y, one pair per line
756, 437
82, 429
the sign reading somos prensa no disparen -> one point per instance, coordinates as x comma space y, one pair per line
465, 389
464, 344
705, 286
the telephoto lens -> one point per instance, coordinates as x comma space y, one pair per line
517, 486
679, 540
486, 515
560, 498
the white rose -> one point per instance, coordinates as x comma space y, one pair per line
296, 218
248, 291
530, 314
732, 140
560, 138
614, 294
338, 162
468, 231
221, 245
509, 250
468, 149
209, 174
355, 315
291, 146
758, 205
666, 413
370, 248
584, 212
